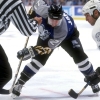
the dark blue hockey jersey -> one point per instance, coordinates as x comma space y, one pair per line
56, 34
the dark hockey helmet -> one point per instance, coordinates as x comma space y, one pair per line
55, 12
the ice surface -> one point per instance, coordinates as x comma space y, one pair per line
59, 75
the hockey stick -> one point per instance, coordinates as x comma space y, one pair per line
19, 65
4, 91
73, 94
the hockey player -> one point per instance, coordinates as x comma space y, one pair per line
13, 10
56, 29
91, 11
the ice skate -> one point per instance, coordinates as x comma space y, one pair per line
95, 89
16, 91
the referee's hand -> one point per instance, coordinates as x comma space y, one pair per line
38, 19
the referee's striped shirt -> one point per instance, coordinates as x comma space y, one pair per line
14, 10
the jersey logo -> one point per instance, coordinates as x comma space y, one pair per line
54, 42
98, 36
44, 34
75, 44
37, 4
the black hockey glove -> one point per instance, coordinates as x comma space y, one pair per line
31, 52
24, 53
31, 14
94, 78
98, 71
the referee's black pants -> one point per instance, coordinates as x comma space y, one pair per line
5, 69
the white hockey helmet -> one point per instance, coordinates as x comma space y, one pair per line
90, 6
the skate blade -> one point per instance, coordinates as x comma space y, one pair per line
14, 96
97, 94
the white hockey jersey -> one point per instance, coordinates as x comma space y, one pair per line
96, 32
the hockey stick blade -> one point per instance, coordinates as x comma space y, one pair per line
3, 91
73, 94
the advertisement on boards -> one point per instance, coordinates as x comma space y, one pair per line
74, 11
68, 10
78, 11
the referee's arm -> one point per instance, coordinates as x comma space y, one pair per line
15, 11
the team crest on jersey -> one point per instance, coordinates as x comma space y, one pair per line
75, 44
44, 34
98, 36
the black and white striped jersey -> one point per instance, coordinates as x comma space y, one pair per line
14, 10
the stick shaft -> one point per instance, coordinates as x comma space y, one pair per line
84, 88
73, 94
19, 65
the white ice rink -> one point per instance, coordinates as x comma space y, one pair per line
59, 75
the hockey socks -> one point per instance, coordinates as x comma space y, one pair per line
24, 78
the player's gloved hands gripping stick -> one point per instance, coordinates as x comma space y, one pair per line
31, 52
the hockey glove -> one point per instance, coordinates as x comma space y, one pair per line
47, 50
98, 71
94, 78
31, 14
43, 50
23, 53
27, 53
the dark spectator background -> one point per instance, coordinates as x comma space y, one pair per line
62, 2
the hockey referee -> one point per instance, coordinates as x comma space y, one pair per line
13, 11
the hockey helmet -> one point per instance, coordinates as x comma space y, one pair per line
90, 6
55, 12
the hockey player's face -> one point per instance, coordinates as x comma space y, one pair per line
90, 19
54, 22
